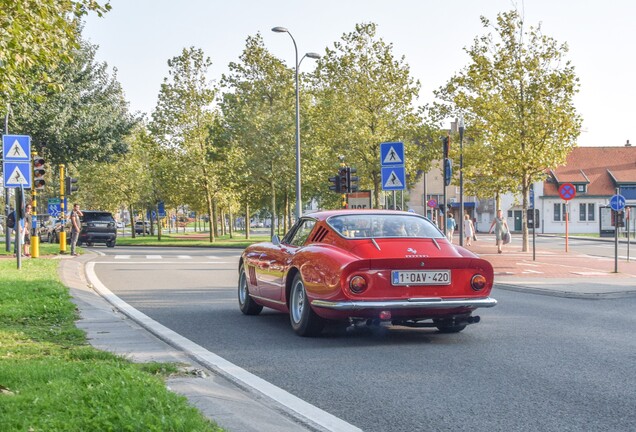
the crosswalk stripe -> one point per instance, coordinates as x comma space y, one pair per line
122, 256
153, 257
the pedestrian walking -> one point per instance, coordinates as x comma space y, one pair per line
501, 229
450, 227
76, 214
26, 225
469, 230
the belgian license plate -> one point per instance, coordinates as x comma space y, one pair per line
420, 277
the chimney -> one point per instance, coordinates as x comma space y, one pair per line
627, 144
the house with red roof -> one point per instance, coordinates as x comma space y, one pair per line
597, 173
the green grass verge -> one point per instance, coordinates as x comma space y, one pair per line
51, 380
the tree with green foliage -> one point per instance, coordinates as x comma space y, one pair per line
517, 95
84, 120
123, 181
258, 113
363, 96
35, 36
182, 119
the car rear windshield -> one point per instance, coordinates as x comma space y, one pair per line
383, 226
98, 217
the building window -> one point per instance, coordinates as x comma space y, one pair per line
587, 212
580, 188
559, 212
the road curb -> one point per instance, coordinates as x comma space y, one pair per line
564, 294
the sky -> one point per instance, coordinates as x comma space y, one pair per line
138, 37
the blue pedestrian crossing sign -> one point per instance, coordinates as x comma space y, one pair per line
392, 154
393, 178
16, 148
617, 202
17, 174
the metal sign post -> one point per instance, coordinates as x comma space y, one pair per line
617, 203
534, 224
567, 192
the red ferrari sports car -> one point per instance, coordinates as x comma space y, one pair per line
365, 265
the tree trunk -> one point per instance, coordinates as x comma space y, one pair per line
525, 189
132, 221
247, 221
376, 189
231, 222
286, 211
215, 223
208, 199
223, 229
158, 222
273, 212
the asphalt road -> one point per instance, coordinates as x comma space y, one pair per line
533, 363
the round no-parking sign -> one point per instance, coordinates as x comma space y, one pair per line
567, 191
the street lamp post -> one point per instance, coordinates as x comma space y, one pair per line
299, 207
461, 180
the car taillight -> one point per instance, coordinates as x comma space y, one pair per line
478, 282
357, 284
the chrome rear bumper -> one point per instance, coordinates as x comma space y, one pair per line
414, 303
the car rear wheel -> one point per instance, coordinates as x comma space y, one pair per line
303, 319
110, 244
246, 303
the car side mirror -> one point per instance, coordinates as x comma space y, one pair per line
275, 240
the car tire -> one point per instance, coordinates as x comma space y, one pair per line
110, 244
89, 244
303, 319
246, 303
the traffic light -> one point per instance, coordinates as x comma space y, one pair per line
69, 185
38, 173
342, 174
335, 186
352, 180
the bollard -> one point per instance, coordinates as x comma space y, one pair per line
62, 242
35, 246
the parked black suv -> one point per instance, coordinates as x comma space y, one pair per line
97, 227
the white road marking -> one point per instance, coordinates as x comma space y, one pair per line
153, 257
122, 256
155, 262
590, 273
184, 257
